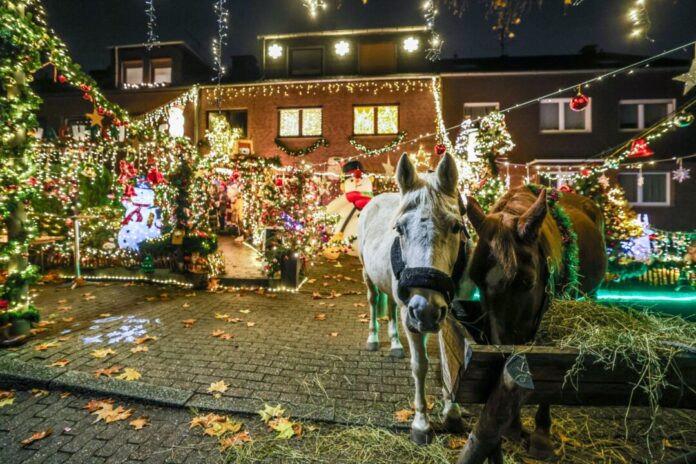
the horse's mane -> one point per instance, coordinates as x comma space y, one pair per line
442, 208
500, 229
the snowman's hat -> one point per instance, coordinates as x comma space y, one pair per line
143, 184
351, 166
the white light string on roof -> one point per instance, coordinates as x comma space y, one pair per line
162, 112
152, 38
586, 83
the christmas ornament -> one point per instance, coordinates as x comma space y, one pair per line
62, 79
689, 78
142, 220
680, 174
95, 119
640, 149
683, 119
579, 102
603, 180
440, 149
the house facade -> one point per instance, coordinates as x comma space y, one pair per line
326, 96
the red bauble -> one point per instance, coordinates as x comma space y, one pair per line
440, 149
62, 79
585, 172
86, 96
640, 149
101, 110
85, 87
278, 181
566, 189
579, 102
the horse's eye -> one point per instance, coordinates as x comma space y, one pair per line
399, 230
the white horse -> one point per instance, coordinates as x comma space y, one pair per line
410, 244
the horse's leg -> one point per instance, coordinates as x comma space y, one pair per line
397, 349
421, 431
540, 446
451, 412
373, 300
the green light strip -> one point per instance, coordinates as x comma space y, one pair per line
645, 297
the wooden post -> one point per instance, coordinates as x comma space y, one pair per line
503, 405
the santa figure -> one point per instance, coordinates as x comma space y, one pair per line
143, 220
357, 193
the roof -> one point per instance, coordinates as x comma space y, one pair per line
345, 32
159, 44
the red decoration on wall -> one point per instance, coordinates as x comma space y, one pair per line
579, 102
155, 177
440, 149
640, 149
62, 79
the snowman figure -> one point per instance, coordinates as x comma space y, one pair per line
142, 220
357, 193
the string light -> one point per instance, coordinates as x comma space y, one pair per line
313, 6
640, 20
435, 42
152, 38
220, 41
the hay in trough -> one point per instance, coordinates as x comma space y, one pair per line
646, 343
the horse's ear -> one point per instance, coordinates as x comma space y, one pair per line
447, 175
475, 213
406, 175
530, 222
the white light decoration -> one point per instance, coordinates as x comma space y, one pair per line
275, 51
143, 220
176, 121
411, 44
342, 48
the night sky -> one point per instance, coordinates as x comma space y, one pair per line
89, 26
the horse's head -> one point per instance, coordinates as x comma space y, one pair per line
429, 227
508, 266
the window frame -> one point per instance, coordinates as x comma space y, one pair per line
321, 64
375, 116
639, 189
125, 65
561, 104
301, 125
466, 105
670, 102
158, 63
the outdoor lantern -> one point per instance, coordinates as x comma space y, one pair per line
275, 51
640, 149
411, 44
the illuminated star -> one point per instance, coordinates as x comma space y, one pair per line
95, 119
689, 79
681, 174
603, 181
388, 168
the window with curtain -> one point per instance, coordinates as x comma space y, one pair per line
641, 114
655, 190
376, 120
300, 122
555, 115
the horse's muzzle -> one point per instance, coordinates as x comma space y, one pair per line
425, 311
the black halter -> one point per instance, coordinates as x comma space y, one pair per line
429, 277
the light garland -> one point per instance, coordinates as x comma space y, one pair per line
152, 38
220, 41
435, 42
320, 142
370, 152
145, 85
640, 20
162, 113
313, 6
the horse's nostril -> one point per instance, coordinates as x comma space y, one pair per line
412, 312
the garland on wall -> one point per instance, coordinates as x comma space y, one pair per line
370, 152
320, 142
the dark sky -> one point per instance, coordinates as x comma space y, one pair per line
89, 26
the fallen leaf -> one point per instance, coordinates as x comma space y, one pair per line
251, 324
64, 395
45, 323
36, 436
325, 284
129, 374
140, 423
333, 334
146, 338
359, 305
311, 281
221, 316
105, 315
320, 317
94, 405
185, 305
456, 442
89, 297
62, 301
45, 346
234, 320
38, 392
102, 353
188, 323
109, 414
139, 349
216, 388
188, 295
6, 401
62, 309
226, 336
217, 332
68, 319
285, 427
205, 421
271, 412
37, 330
150, 298
235, 440
244, 311
316, 296
62, 362
404, 415
64, 338
107, 372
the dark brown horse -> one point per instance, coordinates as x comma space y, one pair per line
521, 261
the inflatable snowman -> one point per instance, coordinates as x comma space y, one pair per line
357, 193
142, 220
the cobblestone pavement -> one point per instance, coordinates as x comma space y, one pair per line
278, 351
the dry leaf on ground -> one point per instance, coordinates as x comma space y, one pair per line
102, 353
94, 405
146, 338
226, 336
235, 440
60, 363
404, 415
456, 442
36, 436
320, 317
38, 392
129, 374
216, 388
107, 372
217, 332
221, 316
333, 334
6, 398
45, 346
105, 411
37, 330
140, 423
271, 412
68, 319
188, 323
251, 324
244, 311
139, 349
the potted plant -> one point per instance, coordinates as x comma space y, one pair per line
15, 324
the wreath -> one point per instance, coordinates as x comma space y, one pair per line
320, 142
378, 151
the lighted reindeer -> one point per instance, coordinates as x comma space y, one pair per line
413, 249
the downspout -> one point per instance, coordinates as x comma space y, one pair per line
117, 68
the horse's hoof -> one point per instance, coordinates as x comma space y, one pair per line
515, 432
422, 437
540, 447
397, 353
372, 346
455, 425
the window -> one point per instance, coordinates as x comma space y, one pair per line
133, 72
161, 71
371, 120
479, 110
306, 61
556, 116
237, 119
640, 114
655, 190
377, 58
300, 122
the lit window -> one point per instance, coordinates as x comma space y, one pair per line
275, 51
556, 116
161, 71
479, 110
304, 122
369, 120
654, 191
640, 114
411, 44
342, 48
133, 73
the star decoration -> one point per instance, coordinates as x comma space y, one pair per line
689, 78
681, 174
388, 167
95, 119
603, 181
